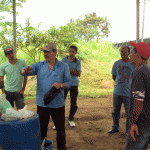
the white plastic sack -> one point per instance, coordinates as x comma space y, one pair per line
25, 113
10, 115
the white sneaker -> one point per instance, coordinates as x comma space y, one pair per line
72, 124
54, 128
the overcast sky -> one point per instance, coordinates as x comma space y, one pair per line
121, 15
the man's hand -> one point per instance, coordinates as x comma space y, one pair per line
56, 85
74, 72
26, 70
21, 91
134, 128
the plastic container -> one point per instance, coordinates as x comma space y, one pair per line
22, 134
50, 145
4, 103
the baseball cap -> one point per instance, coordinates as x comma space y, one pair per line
8, 49
143, 48
49, 47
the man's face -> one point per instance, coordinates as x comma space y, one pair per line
133, 57
50, 55
124, 52
10, 55
72, 52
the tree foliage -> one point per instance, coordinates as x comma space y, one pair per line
90, 27
6, 26
7, 6
31, 40
31, 36
62, 36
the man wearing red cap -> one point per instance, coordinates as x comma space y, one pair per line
139, 132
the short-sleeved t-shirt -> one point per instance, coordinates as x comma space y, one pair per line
140, 90
76, 64
123, 72
13, 82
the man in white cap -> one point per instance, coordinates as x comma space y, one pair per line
51, 73
139, 132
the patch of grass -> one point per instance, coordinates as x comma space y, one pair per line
99, 50
93, 92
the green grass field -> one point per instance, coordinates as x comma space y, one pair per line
97, 58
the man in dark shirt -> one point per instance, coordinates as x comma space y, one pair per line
138, 135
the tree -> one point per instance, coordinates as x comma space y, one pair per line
31, 40
90, 27
7, 5
62, 37
6, 27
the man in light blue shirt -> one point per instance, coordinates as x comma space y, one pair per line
75, 71
51, 72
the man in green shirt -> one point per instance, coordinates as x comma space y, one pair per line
13, 87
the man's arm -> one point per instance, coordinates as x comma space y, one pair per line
138, 95
24, 83
137, 109
2, 83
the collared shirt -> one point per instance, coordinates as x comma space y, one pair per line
45, 78
73, 65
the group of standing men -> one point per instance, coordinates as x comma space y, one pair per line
132, 88
50, 73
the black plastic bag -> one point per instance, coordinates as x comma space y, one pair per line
51, 95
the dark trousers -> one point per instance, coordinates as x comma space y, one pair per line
15, 97
73, 97
58, 117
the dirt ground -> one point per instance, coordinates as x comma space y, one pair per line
93, 121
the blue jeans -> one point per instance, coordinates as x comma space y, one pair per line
142, 139
117, 102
